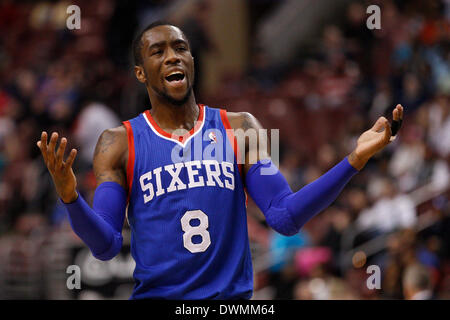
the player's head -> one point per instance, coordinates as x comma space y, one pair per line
163, 61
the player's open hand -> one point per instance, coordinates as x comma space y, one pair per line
60, 170
376, 138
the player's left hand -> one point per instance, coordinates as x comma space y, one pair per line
376, 138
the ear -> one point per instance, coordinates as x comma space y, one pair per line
140, 74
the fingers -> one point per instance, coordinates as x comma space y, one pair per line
42, 144
379, 124
397, 116
54, 160
397, 113
51, 157
70, 159
383, 128
60, 153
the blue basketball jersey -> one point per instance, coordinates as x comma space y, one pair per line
187, 211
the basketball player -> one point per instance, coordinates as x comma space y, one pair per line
187, 212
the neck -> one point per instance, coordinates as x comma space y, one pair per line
170, 117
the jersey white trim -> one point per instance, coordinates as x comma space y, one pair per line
172, 139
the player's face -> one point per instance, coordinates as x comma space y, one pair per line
168, 64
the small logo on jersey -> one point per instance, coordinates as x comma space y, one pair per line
212, 137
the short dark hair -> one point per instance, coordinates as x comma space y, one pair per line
137, 42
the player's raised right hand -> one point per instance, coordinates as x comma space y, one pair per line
60, 170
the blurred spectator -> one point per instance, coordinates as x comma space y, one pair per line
392, 211
417, 283
91, 122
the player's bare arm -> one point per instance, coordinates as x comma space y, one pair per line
246, 121
111, 156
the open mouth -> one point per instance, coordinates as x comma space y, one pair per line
176, 76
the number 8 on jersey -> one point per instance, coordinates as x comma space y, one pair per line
190, 231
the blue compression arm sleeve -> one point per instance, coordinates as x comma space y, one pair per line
285, 211
100, 228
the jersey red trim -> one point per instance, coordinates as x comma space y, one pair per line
230, 133
131, 157
231, 137
184, 137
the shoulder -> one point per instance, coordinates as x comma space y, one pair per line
111, 156
242, 120
120, 130
113, 141
117, 135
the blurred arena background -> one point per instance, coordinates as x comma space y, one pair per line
310, 68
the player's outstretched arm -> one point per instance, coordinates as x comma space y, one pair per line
99, 227
287, 211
